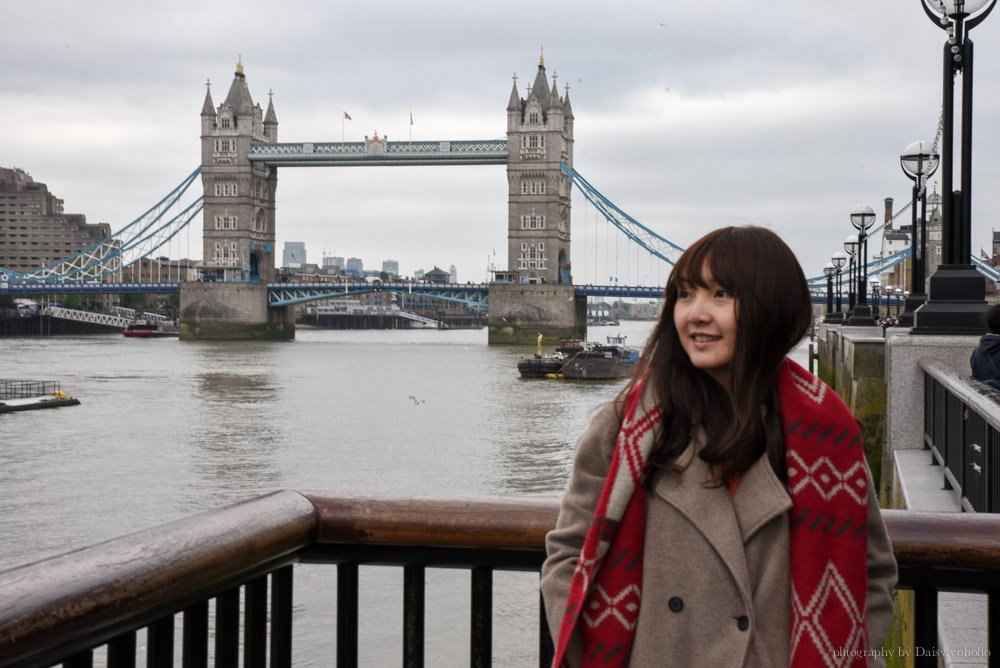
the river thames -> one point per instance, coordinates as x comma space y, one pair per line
167, 429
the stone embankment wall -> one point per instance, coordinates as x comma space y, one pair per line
519, 313
223, 311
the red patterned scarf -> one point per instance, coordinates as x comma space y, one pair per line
827, 482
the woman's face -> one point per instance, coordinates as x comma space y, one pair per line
705, 319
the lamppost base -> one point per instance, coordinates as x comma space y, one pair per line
956, 303
913, 302
861, 316
834, 318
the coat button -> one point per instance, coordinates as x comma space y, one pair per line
742, 622
676, 604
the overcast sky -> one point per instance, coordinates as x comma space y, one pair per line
688, 116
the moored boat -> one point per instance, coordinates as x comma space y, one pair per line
542, 366
148, 329
602, 361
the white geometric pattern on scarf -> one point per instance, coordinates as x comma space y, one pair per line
828, 481
606, 605
812, 386
832, 590
623, 485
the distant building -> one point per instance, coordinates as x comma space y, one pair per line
418, 275
355, 264
294, 255
160, 270
452, 274
391, 267
330, 261
436, 275
34, 231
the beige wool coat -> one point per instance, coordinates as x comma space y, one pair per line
716, 570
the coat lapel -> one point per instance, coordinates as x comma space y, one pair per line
711, 511
727, 524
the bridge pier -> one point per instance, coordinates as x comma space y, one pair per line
231, 311
520, 312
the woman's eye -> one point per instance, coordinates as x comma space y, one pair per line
683, 294
722, 294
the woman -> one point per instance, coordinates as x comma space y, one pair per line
720, 512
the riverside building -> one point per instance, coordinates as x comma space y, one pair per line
34, 230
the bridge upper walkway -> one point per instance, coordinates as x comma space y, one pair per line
384, 153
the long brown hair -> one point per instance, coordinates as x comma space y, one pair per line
773, 313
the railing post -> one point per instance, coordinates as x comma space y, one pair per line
347, 615
413, 615
546, 651
482, 617
925, 623
195, 636
281, 618
160, 643
227, 628
121, 651
84, 659
255, 623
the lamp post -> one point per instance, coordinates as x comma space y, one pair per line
919, 161
829, 270
862, 218
851, 248
957, 294
839, 259
873, 286
899, 301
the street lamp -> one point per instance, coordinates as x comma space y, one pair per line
829, 270
919, 161
862, 218
851, 247
839, 259
957, 294
876, 311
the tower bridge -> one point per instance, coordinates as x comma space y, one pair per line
240, 159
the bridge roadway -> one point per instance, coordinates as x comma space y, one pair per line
285, 294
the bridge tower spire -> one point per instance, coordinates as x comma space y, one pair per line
539, 137
239, 196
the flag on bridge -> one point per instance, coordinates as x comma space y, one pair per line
411, 117
348, 116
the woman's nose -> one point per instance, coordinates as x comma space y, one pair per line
697, 312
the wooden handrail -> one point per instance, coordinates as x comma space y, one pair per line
945, 540
479, 522
82, 598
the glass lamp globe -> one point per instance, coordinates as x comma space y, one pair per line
919, 158
829, 270
839, 259
956, 8
862, 217
851, 244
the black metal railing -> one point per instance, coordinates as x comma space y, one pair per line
192, 574
962, 431
27, 389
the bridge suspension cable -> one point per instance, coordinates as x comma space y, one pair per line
662, 248
141, 238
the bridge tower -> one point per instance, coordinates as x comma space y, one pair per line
539, 137
537, 297
239, 196
230, 302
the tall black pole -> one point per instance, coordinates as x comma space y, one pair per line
956, 291
863, 267
916, 298
829, 296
